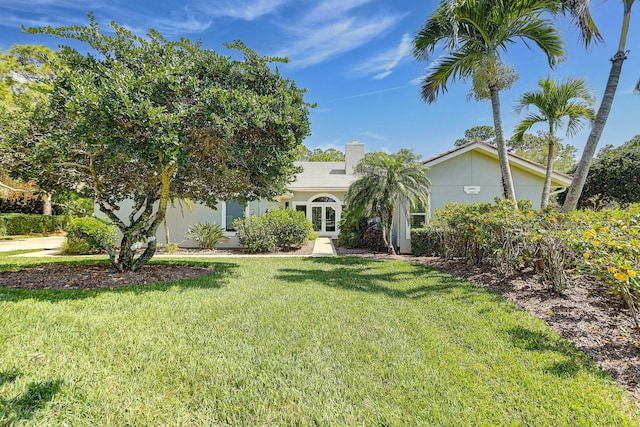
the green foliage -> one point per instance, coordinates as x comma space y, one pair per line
171, 248
254, 234
427, 241
357, 231
147, 119
88, 235
477, 133
21, 203
276, 229
14, 224
290, 228
605, 244
205, 234
614, 175
384, 180
303, 154
536, 148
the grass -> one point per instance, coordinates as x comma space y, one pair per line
294, 341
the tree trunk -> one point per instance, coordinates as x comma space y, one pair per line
580, 176
46, 205
546, 189
507, 180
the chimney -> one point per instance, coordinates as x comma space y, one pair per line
353, 153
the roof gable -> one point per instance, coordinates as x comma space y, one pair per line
514, 161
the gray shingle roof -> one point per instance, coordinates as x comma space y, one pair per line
317, 175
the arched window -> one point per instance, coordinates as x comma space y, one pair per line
323, 199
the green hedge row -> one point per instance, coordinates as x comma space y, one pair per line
13, 224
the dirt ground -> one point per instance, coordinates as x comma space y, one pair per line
586, 315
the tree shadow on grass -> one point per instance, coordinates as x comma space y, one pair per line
24, 406
218, 278
366, 275
542, 341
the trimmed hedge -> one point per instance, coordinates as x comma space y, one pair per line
14, 224
88, 235
427, 241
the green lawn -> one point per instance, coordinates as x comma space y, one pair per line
292, 341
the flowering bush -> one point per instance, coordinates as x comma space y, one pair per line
609, 242
605, 244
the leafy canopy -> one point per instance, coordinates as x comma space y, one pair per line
614, 175
147, 119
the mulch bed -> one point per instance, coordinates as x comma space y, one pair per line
95, 276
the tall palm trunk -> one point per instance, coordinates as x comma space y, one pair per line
546, 188
580, 177
507, 180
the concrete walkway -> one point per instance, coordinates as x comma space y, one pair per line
51, 245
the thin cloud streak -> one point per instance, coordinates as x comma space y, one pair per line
245, 10
375, 92
384, 63
325, 42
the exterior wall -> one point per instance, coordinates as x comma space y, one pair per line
471, 169
179, 220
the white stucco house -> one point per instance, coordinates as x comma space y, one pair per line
466, 174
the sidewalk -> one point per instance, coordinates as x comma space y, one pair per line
50, 246
51, 243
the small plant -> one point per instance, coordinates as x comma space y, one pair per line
207, 235
171, 248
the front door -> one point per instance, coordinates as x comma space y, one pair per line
323, 219
324, 214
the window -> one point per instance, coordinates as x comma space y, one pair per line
323, 199
418, 217
302, 208
234, 210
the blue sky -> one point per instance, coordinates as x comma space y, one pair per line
354, 56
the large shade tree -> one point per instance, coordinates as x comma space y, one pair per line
580, 9
26, 73
614, 175
568, 103
475, 34
535, 148
385, 182
140, 120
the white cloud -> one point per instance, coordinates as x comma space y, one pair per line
384, 63
189, 24
417, 81
241, 9
323, 42
373, 92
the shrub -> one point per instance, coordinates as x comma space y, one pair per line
254, 234
289, 228
277, 228
205, 234
88, 235
13, 224
171, 248
427, 241
359, 232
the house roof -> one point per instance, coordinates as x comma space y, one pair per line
491, 151
322, 176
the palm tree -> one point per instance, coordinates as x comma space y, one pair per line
475, 33
571, 99
580, 176
385, 179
